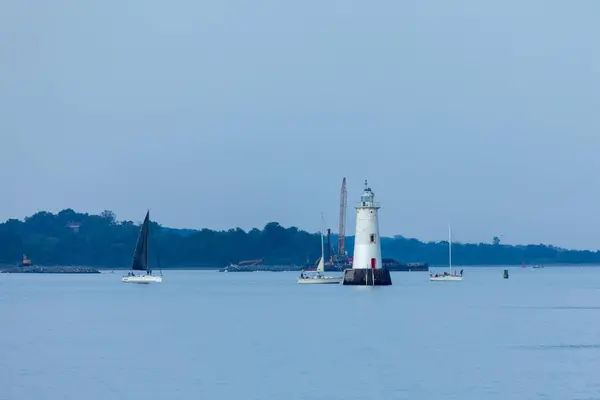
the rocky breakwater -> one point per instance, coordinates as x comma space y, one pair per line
34, 269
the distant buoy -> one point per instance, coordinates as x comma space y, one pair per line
505, 274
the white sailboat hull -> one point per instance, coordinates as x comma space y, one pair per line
323, 280
144, 279
446, 278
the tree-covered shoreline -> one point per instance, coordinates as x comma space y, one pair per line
103, 241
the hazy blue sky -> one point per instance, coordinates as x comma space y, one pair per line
217, 114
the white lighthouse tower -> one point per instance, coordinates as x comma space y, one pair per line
367, 247
367, 268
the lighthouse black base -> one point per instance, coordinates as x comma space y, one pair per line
364, 277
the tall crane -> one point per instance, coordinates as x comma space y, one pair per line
342, 228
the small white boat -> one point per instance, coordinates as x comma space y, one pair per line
318, 278
538, 266
445, 276
140, 258
142, 279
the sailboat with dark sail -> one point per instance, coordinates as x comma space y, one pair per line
140, 258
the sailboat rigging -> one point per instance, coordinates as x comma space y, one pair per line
447, 276
319, 277
140, 258
158, 265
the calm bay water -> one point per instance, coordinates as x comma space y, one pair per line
210, 335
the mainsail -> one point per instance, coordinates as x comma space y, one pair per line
321, 266
140, 256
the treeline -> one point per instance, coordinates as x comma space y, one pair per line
70, 238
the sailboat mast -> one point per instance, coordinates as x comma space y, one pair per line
147, 242
450, 249
322, 244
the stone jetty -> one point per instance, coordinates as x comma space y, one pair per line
50, 270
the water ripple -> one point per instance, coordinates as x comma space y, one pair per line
558, 347
557, 307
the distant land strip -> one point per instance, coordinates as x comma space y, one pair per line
69, 238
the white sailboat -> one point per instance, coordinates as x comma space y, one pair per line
447, 276
318, 277
140, 258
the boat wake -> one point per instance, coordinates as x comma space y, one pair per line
558, 307
560, 347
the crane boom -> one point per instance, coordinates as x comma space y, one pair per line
342, 227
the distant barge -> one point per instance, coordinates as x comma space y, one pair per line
394, 265
390, 264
